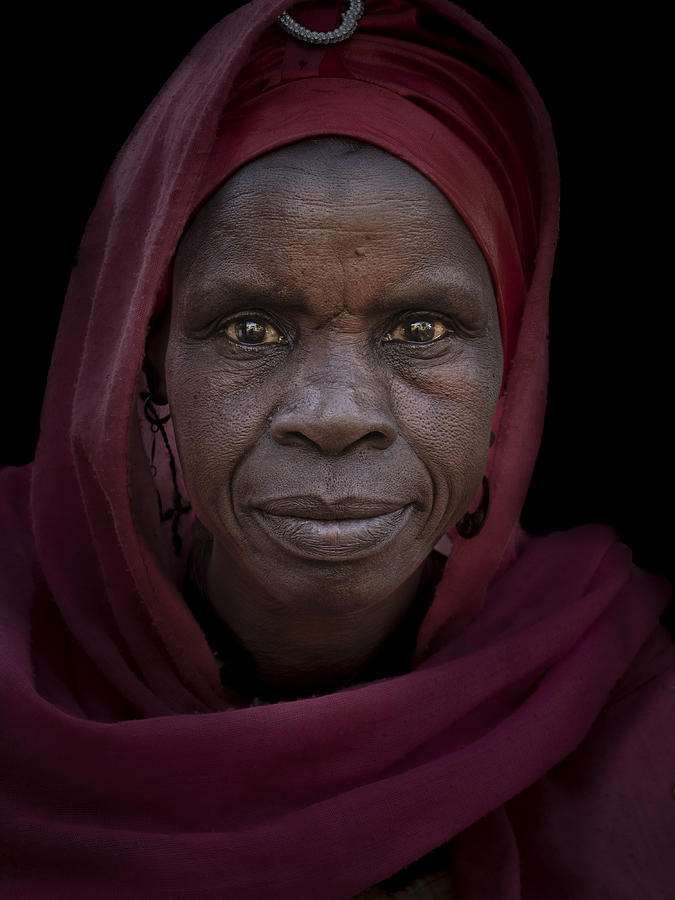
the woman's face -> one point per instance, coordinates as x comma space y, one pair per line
333, 366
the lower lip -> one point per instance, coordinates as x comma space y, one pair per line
343, 539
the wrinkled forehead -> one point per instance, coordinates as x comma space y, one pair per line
320, 183
330, 208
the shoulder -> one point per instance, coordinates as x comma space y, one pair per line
604, 817
18, 559
585, 559
15, 492
15, 485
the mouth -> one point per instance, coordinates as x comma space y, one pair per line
347, 529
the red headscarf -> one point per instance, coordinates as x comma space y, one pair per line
531, 729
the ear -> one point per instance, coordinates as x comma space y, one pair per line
155, 355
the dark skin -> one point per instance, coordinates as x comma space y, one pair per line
332, 366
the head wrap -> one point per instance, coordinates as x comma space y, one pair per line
131, 772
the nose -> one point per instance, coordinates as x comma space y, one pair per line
335, 414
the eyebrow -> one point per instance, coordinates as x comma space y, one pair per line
446, 287
443, 286
231, 290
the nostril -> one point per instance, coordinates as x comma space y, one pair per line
379, 439
293, 439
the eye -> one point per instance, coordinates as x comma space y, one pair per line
251, 330
419, 329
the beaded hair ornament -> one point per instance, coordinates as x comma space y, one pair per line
347, 27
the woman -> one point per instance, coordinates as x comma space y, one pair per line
301, 362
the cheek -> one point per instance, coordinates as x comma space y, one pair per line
445, 413
217, 415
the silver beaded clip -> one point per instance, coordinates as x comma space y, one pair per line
347, 27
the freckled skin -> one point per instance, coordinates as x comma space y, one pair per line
335, 257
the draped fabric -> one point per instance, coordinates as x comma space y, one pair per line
535, 730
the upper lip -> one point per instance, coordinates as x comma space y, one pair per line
311, 506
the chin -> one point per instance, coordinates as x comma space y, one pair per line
332, 586
339, 588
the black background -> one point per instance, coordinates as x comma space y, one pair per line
82, 77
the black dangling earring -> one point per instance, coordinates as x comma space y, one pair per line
472, 523
157, 422
179, 508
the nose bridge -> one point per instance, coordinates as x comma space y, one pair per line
335, 400
340, 373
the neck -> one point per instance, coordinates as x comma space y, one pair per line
274, 652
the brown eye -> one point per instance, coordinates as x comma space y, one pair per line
418, 330
249, 330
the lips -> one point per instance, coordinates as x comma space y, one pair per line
335, 529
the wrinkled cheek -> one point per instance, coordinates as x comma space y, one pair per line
449, 430
215, 426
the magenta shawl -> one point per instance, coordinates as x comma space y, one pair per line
536, 728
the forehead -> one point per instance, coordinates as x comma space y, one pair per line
317, 209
